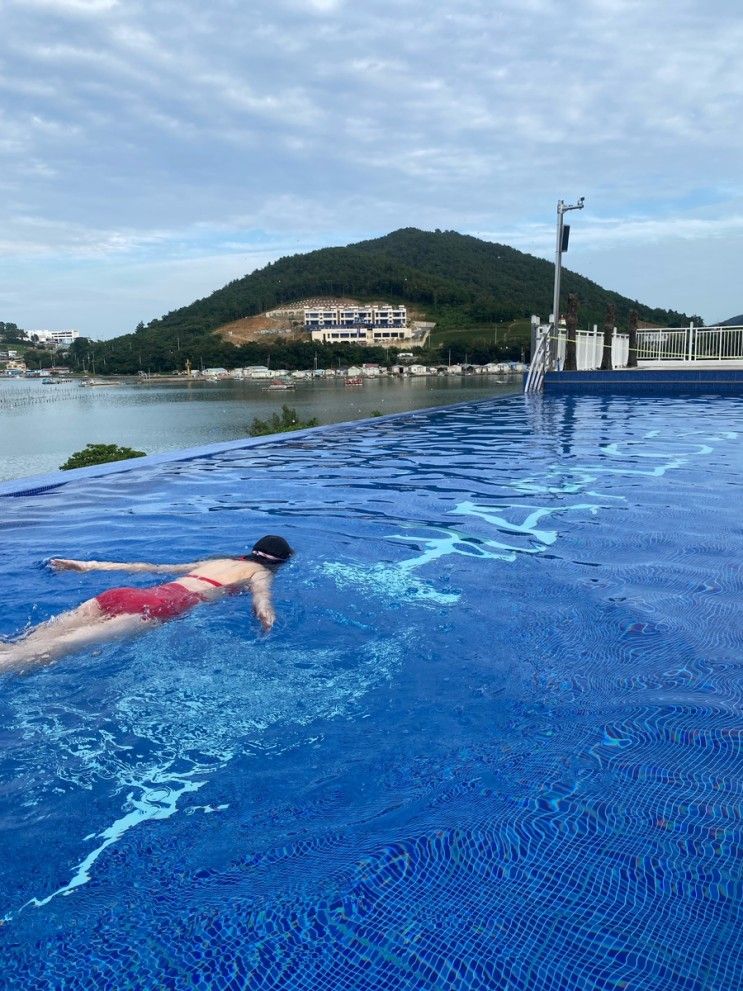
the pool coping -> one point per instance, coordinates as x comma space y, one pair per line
35, 484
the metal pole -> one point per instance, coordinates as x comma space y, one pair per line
551, 350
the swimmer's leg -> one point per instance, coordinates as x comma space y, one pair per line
83, 615
69, 632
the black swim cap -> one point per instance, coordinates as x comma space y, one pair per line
271, 550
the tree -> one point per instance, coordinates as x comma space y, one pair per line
78, 351
632, 357
611, 316
11, 333
99, 454
571, 325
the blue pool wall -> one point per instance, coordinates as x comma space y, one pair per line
648, 382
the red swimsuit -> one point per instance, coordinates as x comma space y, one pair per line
160, 602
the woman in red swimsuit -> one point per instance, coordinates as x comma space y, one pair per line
126, 611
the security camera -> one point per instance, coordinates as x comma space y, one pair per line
581, 200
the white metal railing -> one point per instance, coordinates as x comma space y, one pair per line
669, 344
709, 343
589, 348
689, 344
686, 344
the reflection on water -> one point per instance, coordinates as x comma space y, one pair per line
44, 425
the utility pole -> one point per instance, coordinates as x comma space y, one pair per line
561, 244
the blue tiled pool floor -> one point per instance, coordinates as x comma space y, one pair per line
493, 742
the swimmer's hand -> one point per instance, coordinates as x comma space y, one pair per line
266, 617
66, 564
260, 586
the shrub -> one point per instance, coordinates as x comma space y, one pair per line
280, 423
99, 454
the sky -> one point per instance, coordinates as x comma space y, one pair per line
153, 150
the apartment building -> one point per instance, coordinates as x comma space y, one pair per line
372, 324
379, 315
58, 338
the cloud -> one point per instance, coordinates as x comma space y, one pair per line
324, 6
608, 232
132, 129
70, 7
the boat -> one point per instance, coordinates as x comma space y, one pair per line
50, 381
354, 380
278, 386
93, 382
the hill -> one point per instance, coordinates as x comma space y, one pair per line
732, 322
454, 279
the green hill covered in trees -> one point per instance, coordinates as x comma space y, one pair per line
456, 280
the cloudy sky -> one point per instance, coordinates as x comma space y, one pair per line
152, 150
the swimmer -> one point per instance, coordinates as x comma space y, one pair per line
125, 612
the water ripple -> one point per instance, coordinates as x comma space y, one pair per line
493, 742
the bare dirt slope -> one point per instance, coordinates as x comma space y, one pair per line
259, 328
284, 321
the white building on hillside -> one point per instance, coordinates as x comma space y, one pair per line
377, 315
373, 324
379, 324
59, 338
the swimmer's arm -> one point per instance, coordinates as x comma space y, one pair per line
260, 587
68, 564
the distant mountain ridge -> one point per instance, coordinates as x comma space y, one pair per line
732, 322
455, 278
458, 281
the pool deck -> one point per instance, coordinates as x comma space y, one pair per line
672, 378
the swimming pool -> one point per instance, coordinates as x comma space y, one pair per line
493, 741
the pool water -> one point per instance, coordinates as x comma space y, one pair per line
493, 741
